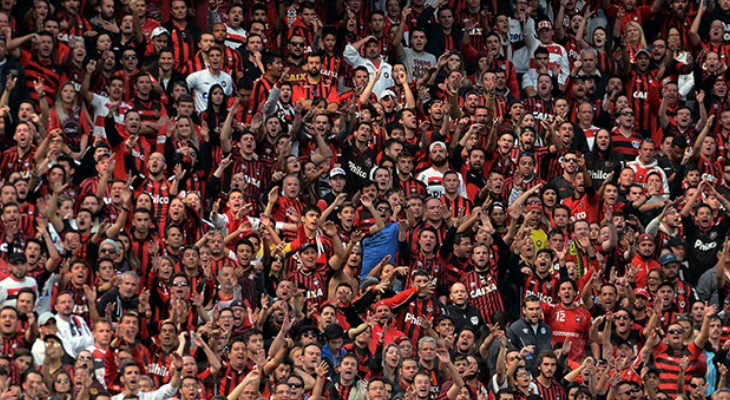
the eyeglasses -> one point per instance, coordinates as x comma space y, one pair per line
621, 317
627, 113
179, 284
296, 44
296, 385
675, 331
309, 334
130, 57
383, 209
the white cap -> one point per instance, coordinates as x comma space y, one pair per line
337, 171
45, 317
387, 92
159, 31
434, 144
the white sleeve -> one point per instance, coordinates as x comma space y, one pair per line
164, 392
192, 81
528, 80
528, 31
229, 87
352, 57
564, 66
97, 101
3, 294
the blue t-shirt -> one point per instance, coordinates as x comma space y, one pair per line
377, 246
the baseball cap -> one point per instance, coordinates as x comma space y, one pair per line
544, 24
534, 207
642, 51
159, 31
337, 171
436, 143
387, 92
675, 241
668, 258
641, 292
45, 317
17, 258
306, 246
645, 237
237, 303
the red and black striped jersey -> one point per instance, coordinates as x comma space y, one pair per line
483, 289
457, 205
36, 70
637, 90
183, 41
232, 62
230, 378
141, 248
313, 283
149, 111
546, 288
260, 93
12, 161
331, 65
309, 91
409, 319
12, 344
160, 193
667, 360
195, 64
626, 146
411, 186
555, 391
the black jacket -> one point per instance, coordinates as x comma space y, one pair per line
20, 92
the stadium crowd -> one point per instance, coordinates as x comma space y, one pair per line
364, 200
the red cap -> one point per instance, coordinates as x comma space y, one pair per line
644, 237
641, 292
534, 207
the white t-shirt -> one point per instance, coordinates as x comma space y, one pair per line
200, 83
9, 288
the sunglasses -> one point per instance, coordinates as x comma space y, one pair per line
107, 251
621, 317
573, 160
694, 385
296, 44
179, 284
627, 113
130, 57
383, 208
675, 331
296, 385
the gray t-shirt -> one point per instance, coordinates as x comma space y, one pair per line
417, 65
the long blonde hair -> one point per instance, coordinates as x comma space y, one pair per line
642, 38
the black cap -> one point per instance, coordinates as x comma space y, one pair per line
237, 303
306, 328
306, 246
333, 331
17, 258
675, 241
